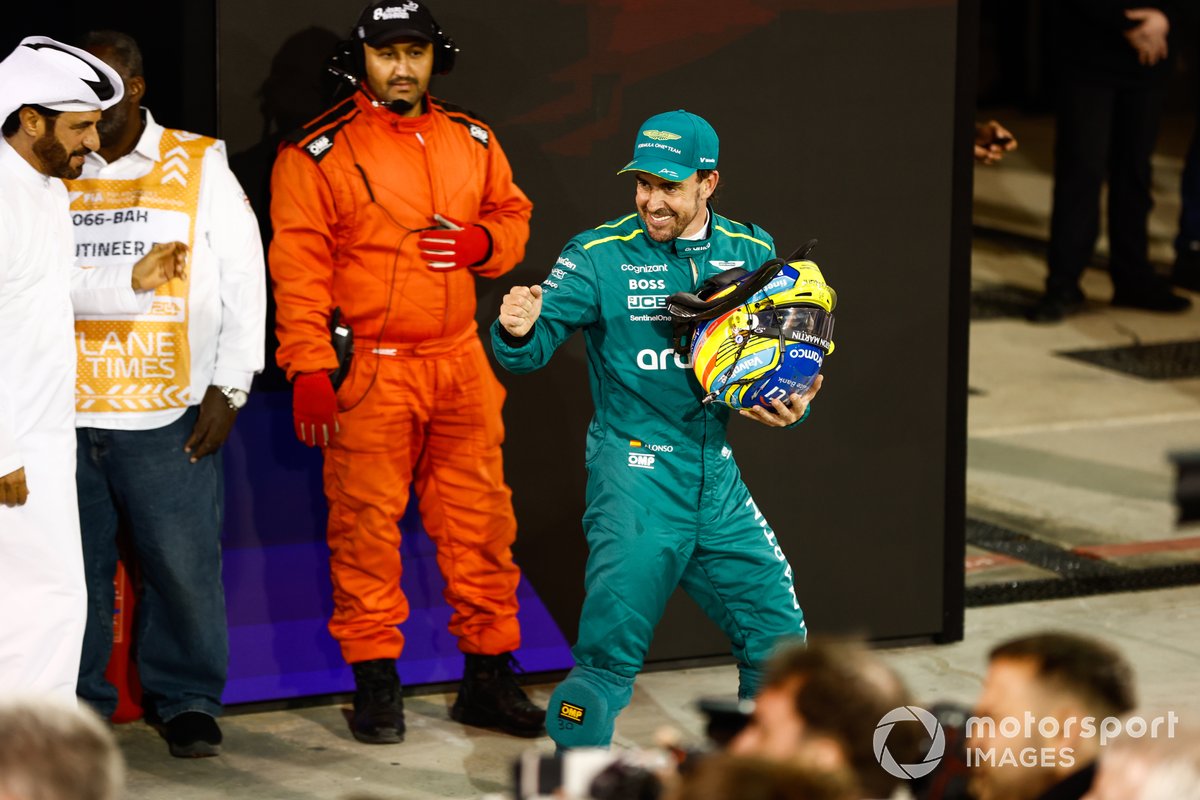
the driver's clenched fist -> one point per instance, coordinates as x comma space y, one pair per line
520, 308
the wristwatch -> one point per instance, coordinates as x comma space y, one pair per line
235, 397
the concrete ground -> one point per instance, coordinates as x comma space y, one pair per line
308, 754
1069, 454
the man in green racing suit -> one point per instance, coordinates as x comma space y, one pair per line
666, 505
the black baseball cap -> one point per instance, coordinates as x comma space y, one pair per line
384, 22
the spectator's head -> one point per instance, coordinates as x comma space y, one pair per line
52, 751
1049, 684
727, 777
820, 705
1149, 769
121, 52
675, 168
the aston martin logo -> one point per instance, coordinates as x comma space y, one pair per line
661, 136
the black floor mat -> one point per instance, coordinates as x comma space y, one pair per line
1078, 575
1157, 362
1001, 301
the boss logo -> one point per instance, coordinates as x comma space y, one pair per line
647, 283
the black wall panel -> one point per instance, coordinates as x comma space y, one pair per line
837, 120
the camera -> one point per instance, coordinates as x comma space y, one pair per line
603, 774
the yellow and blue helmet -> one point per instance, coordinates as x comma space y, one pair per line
757, 336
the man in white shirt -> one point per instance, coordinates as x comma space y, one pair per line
157, 395
51, 96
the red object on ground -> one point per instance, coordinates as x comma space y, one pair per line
122, 672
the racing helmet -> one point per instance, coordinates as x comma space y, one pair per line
757, 336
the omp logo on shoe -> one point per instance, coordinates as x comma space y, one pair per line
661, 136
571, 712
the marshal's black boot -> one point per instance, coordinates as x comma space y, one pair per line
489, 697
378, 708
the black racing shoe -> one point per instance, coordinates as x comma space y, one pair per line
378, 707
489, 697
1055, 306
1186, 273
193, 734
1153, 297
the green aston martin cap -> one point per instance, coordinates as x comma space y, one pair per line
673, 146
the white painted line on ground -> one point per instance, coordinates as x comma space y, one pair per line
1085, 424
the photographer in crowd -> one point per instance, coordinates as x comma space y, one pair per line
1051, 676
820, 706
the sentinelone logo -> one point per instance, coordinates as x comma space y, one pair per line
1010, 728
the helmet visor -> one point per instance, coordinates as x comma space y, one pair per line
808, 324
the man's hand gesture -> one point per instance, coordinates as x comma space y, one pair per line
520, 308
161, 264
13, 491
1149, 38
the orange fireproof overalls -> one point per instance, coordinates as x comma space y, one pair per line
421, 406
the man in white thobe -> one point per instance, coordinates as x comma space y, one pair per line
51, 96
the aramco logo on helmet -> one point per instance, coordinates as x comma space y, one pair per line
937, 746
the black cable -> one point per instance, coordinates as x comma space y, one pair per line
387, 312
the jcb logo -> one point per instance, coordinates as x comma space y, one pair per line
638, 302
658, 359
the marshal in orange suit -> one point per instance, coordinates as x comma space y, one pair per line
387, 207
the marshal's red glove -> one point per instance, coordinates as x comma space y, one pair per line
314, 408
464, 245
